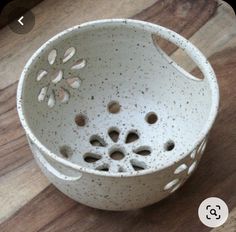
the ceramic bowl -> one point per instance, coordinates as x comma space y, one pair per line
112, 121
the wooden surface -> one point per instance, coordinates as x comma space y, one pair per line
29, 203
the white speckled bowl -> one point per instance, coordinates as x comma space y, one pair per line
112, 121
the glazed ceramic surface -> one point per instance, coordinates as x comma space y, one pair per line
112, 121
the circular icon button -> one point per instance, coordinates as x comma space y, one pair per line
18, 17
21, 20
213, 212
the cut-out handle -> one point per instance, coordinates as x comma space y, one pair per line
189, 49
43, 161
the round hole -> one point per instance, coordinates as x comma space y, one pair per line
142, 151
151, 118
69, 53
105, 169
169, 146
114, 134
192, 167
193, 154
52, 56
79, 64
97, 141
137, 168
171, 184
202, 147
91, 158
114, 107
131, 137
117, 155
175, 188
137, 165
180, 169
66, 151
80, 120
56, 76
63, 95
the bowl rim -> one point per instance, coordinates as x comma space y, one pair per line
163, 32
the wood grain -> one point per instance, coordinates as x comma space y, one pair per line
29, 203
18, 187
223, 35
183, 16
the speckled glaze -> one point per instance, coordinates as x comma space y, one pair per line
112, 121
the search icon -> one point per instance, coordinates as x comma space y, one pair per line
213, 212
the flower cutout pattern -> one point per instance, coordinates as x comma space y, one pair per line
56, 85
117, 152
185, 168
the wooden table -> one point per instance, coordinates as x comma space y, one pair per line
28, 202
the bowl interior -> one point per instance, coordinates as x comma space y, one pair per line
104, 97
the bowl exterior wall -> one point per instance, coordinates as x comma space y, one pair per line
119, 193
